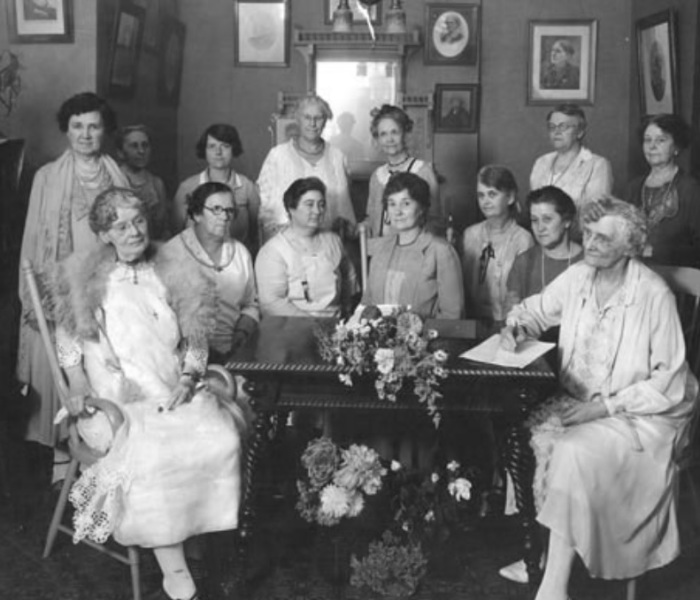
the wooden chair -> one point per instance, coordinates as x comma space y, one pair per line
685, 284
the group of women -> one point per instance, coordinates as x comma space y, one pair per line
137, 324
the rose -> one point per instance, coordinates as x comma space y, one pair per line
440, 355
321, 460
409, 322
460, 489
384, 357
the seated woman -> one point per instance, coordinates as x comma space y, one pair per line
390, 127
605, 443
303, 271
225, 263
219, 144
133, 144
412, 267
489, 248
552, 214
133, 330
668, 197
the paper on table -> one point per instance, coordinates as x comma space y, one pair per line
490, 352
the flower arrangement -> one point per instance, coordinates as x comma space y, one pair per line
336, 481
393, 347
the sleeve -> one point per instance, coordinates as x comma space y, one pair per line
273, 285
450, 284
665, 386
267, 188
29, 238
374, 209
542, 311
515, 285
470, 263
600, 182
250, 306
536, 175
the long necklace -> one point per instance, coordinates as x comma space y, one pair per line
568, 262
554, 177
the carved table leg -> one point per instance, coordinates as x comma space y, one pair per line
520, 462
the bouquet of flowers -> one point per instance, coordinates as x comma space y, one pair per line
337, 481
394, 348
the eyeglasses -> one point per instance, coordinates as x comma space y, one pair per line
560, 127
220, 210
486, 255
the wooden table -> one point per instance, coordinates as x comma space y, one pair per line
285, 372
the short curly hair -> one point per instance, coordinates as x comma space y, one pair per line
558, 198
300, 187
86, 102
673, 125
104, 210
634, 223
417, 188
222, 132
122, 133
312, 99
388, 111
198, 198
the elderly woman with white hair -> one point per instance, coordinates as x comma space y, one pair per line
305, 155
605, 443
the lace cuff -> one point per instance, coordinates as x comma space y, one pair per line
195, 360
68, 348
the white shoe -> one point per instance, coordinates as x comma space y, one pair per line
516, 572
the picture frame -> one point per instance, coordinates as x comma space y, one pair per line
262, 30
125, 49
456, 108
171, 56
37, 22
375, 12
562, 61
657, 63
452, 35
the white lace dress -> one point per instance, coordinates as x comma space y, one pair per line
169, 475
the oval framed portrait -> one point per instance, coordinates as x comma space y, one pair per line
452, 34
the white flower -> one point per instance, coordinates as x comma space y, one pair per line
395, 465
440, 372
405, 526
335, 501
452, 466
432, 334
372, 486
435, 478
429, 516
346, 379
440, 355
357, 503
460, 489
384, 357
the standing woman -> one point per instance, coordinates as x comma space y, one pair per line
133, 144
219, 144
571, 167
489, 248
306, 155
62, 195
389, 127
668, 197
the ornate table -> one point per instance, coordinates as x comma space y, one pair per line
285, 372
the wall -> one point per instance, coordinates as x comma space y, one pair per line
50, 73
512, 132
687, 18
215, 90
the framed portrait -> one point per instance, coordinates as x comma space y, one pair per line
375, 12
261, 33
456, 108
656, 59
451, 34
126, 49
40, 21
172, 49
562, 62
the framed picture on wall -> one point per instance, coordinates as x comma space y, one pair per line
656, 60
358, 16
456, 108
126, 49
40, 21
151, 26
562, 62
261, 37
451, 34
172, 50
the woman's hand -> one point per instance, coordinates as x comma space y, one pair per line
512, 335
78, 390
183, 392
583, 413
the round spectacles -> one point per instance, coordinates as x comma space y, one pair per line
560, 127
220, 210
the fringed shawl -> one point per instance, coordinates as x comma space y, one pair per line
80, 286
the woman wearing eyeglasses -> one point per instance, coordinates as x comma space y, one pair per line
224, 262
571, 167
489, 248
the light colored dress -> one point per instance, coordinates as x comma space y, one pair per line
377, 183
284, 165
588, 177
293, 281
488, 298
233, 282
606, 486
169, 474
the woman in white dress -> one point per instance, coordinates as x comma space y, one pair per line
605, 444
305, 155
133, 329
